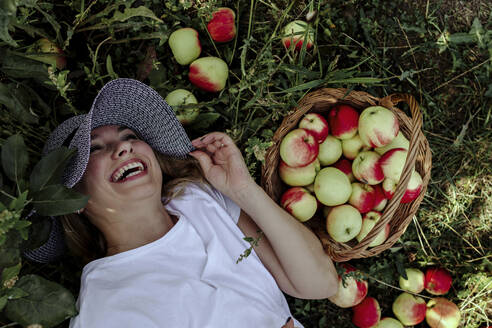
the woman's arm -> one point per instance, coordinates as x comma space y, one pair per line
300, 253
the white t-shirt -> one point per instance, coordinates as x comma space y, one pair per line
187, 278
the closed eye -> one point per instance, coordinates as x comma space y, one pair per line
126, 137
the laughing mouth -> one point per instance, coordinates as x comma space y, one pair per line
131, 169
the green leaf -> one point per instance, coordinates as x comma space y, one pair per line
39, 231
56, 200
8, 9
3, 302
133, 12
18, 203
16, 66
15, 293
14, 157
204, 120
461, 38
18, 100
109, 68
48, 303
304, 86
9, 251
10, 272
49, 170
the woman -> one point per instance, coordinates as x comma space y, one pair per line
171, 216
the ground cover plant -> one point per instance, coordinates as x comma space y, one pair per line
438, 51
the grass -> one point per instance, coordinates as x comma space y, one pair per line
385, 47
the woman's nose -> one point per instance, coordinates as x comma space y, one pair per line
123, 147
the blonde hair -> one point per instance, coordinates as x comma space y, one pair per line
86, 242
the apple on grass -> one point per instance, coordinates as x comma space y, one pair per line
298, 176
366, 168
182, 97
409, 309
296, 33
367, 313
299, 148
362, 197
437, 281
369, 220
379, 198
209, 73
343, 120
47, 52
353, 146
299, 202
414, 188
415, 281
222, 26
378, 126
332, 186
343, 223
398, 142
185, 45
442, 313
389, 323
345, 166
330, 151
316, 124
352, 292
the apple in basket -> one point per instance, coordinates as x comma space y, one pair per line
296, 33
345, 166
389, 323
330, 151
343, 120
222, 26
367, 168
392, 163
316, 124
332, 186
414, 188
442, 313
398, 142
362, 197
367, 313
299, 148
343, 223
185, 45
379, 198
209, 73
415, 281
378, 126
437, 281
299, 202
352, 293
369, 220
181, 97
353, 146
409, 309
298, 176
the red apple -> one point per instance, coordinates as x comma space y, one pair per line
414, 188
298, 176
343, 223
379, 198
398, 142
47, 52
299, 202
367, 313
332, 187
389, 323
392, 163
222, 26
366, 168
209, 73
389, 187
345, 166
299, 148
185, 45
353, 146
316, 124
352, 293
369, 220
182, 97
344, 120
442, 313
415, 281
330, 151
362, 197
378, 126
409, 309
437, 281
297, 32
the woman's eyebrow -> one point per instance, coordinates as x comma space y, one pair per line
121, 128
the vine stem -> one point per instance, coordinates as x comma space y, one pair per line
394, 287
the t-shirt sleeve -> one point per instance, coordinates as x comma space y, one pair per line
228, 204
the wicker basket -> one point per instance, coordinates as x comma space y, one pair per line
419, 157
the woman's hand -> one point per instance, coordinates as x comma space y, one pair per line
222, 163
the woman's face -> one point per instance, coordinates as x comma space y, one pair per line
114, 150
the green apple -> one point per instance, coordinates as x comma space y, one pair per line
366, 168
398, 142
415, 281
392, 163
185, 45
378, 126
182, 97
369, 220
442, 313
330, 151
294, 33
409, 309
300, 203
389, 323
353, 146
209, 73
343, 223
332, 186
298, 176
